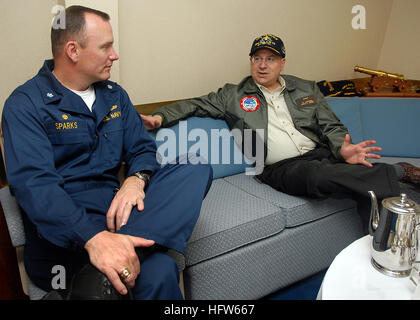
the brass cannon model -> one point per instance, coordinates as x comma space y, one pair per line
385, 81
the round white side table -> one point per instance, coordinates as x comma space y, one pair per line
351, 276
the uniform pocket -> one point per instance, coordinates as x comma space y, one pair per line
114, 142
70, 142
68, 132
68, 138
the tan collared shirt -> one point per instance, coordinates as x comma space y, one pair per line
283, 140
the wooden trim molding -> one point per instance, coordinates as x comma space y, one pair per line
149, 108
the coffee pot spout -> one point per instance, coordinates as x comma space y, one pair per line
374, 211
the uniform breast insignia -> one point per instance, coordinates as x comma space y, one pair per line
306, 101
250, 103
70, 125
115, 114
65, 117
112, 115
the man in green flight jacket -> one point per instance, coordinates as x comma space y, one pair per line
307, 150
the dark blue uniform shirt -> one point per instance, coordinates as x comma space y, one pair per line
56, 146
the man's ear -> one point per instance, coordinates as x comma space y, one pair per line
283, 62
72, 50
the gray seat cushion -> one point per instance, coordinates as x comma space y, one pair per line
297, 210
262, 267
13, 217
231, 218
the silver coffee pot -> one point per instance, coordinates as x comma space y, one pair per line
394, 227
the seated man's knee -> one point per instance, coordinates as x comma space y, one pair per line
307, 178
196, 165
158, 279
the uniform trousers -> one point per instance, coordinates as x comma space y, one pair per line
171, 208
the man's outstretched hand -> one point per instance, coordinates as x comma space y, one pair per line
358, 153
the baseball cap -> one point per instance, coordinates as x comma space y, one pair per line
271, 42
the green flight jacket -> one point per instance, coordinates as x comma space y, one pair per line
311, 114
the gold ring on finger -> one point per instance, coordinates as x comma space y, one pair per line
125, 273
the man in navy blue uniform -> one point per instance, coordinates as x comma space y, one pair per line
67, 132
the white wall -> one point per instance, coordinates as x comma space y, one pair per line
25, 41
401, 49
178, 49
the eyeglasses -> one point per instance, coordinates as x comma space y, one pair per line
269, 60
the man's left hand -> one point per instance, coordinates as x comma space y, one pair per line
130, 194
358, 153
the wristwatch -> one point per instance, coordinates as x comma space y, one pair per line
143, 175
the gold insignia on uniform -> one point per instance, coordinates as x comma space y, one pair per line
112, 115
66, 125
115, 114
65, 117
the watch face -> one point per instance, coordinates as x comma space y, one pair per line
142, 176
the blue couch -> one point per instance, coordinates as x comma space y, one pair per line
251, 240
392, 122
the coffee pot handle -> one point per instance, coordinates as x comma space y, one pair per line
381, 234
